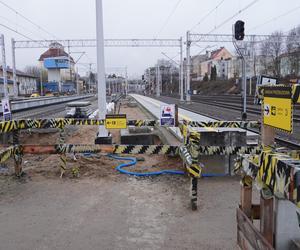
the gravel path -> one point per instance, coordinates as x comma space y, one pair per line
107, 210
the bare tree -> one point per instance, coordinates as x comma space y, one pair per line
293, 51
37, 72
271, 50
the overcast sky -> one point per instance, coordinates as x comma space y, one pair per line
71, 19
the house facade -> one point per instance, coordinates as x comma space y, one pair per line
202, 64
27, 83
290, 64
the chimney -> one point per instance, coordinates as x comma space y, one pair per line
208, 54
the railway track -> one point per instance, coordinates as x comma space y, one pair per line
280, 139
228, 105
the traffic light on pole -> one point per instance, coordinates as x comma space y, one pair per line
143, 77
239, 30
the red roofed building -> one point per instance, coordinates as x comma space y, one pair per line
202, 64
56, 51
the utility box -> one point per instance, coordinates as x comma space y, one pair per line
222, 137
220, 164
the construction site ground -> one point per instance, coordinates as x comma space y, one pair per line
103, 209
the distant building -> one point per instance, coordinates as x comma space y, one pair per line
27, 83
202, 64
290, 64
59, 64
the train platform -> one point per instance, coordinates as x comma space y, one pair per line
153, 106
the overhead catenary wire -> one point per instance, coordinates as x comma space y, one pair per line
169, 17
15, 31
20, 26
207, 15
233, 16
19, 33
275, 18
27, 19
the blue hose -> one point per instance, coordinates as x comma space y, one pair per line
213, 175
133, 161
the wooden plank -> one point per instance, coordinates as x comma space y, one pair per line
246, 200
267, 219
267, 135
255, 211
248, 236
50, 149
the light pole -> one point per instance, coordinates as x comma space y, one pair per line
188, 68
102, 137
157, 81
14, 68
4, 69
181, 71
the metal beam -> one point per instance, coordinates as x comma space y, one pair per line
107, 43
227, 38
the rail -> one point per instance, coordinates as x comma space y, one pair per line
17, 106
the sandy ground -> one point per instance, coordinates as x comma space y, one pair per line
103, 209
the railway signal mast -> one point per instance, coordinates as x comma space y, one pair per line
239, 34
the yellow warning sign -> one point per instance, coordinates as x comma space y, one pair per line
278, 113
116, 121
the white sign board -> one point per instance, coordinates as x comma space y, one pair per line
167, 115
265, 80
261, 81
6, 109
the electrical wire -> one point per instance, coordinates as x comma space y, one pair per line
15, 31
19, 33
207, 15
24, 28
169, 17
233, 16
27, 19
276, 18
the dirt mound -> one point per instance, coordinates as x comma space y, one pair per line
216, 87
96, 166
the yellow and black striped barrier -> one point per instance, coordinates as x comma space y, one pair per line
276, 173
7, 153
296, 93
223, 124
188, 155
14, 125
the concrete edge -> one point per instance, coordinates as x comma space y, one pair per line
161, 130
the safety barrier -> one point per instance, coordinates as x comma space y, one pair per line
276, 172
222, 124
15, 125
296, 93
190, 152
277, 175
